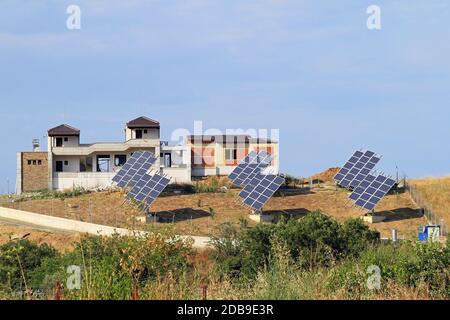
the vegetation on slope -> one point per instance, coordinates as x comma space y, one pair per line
312, 258
436, 193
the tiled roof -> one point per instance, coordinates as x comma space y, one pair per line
143, 122
63, 130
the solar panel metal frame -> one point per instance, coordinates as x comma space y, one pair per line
252, 165
148, 189
357, 168
373, 192
137, 170
259, 191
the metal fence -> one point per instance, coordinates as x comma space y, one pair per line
428, 212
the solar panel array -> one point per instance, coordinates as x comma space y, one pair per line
257, 188
260, 189
356, 169
148, 189
249, 167
145, 188
367, 188
370, 192
134, 169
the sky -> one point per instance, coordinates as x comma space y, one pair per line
311, 69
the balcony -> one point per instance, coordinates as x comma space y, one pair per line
108, 147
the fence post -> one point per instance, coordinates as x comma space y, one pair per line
57, 295
135, 292
205, 292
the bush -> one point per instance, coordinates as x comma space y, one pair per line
357, 236
111, 266
20, 263
313, 241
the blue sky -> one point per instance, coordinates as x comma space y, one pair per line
309, 68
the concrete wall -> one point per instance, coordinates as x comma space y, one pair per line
86, 180
73, 141
29, 218
19, 173
178, 175
34, 171
73, 163
152, 133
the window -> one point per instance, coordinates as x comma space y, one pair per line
103, 164
59, 142
39, 162
145, 131
34, 162
138, 134
59, 166
120, 160
66, 139
168, 160
230, 154
29, 162
66, 163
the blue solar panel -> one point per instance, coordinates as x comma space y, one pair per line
135, 169
260, 189
370, 192
122, 172
152, 188
251, 165
356, 169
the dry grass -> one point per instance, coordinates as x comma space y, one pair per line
436, 192
198, 214
60, 240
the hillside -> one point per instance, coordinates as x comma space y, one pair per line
436, 193
198, 214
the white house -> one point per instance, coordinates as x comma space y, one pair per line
68, 163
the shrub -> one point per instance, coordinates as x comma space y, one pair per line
113, 265
357, 236
20, 262
226, 243
313, 241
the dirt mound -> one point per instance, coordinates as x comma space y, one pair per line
327, 175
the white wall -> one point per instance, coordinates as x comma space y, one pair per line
178, 175
73, 141
73, 163
152, 133
86, 180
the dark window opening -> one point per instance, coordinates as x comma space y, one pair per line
168, 160
230, 154
145, 131
39, 162
120, 160
34, 162
59, 166
66, 139
29, 162
66, 163
59, 142
138, 134
103, 164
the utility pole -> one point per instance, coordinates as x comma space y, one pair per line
397, 173
7, 181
